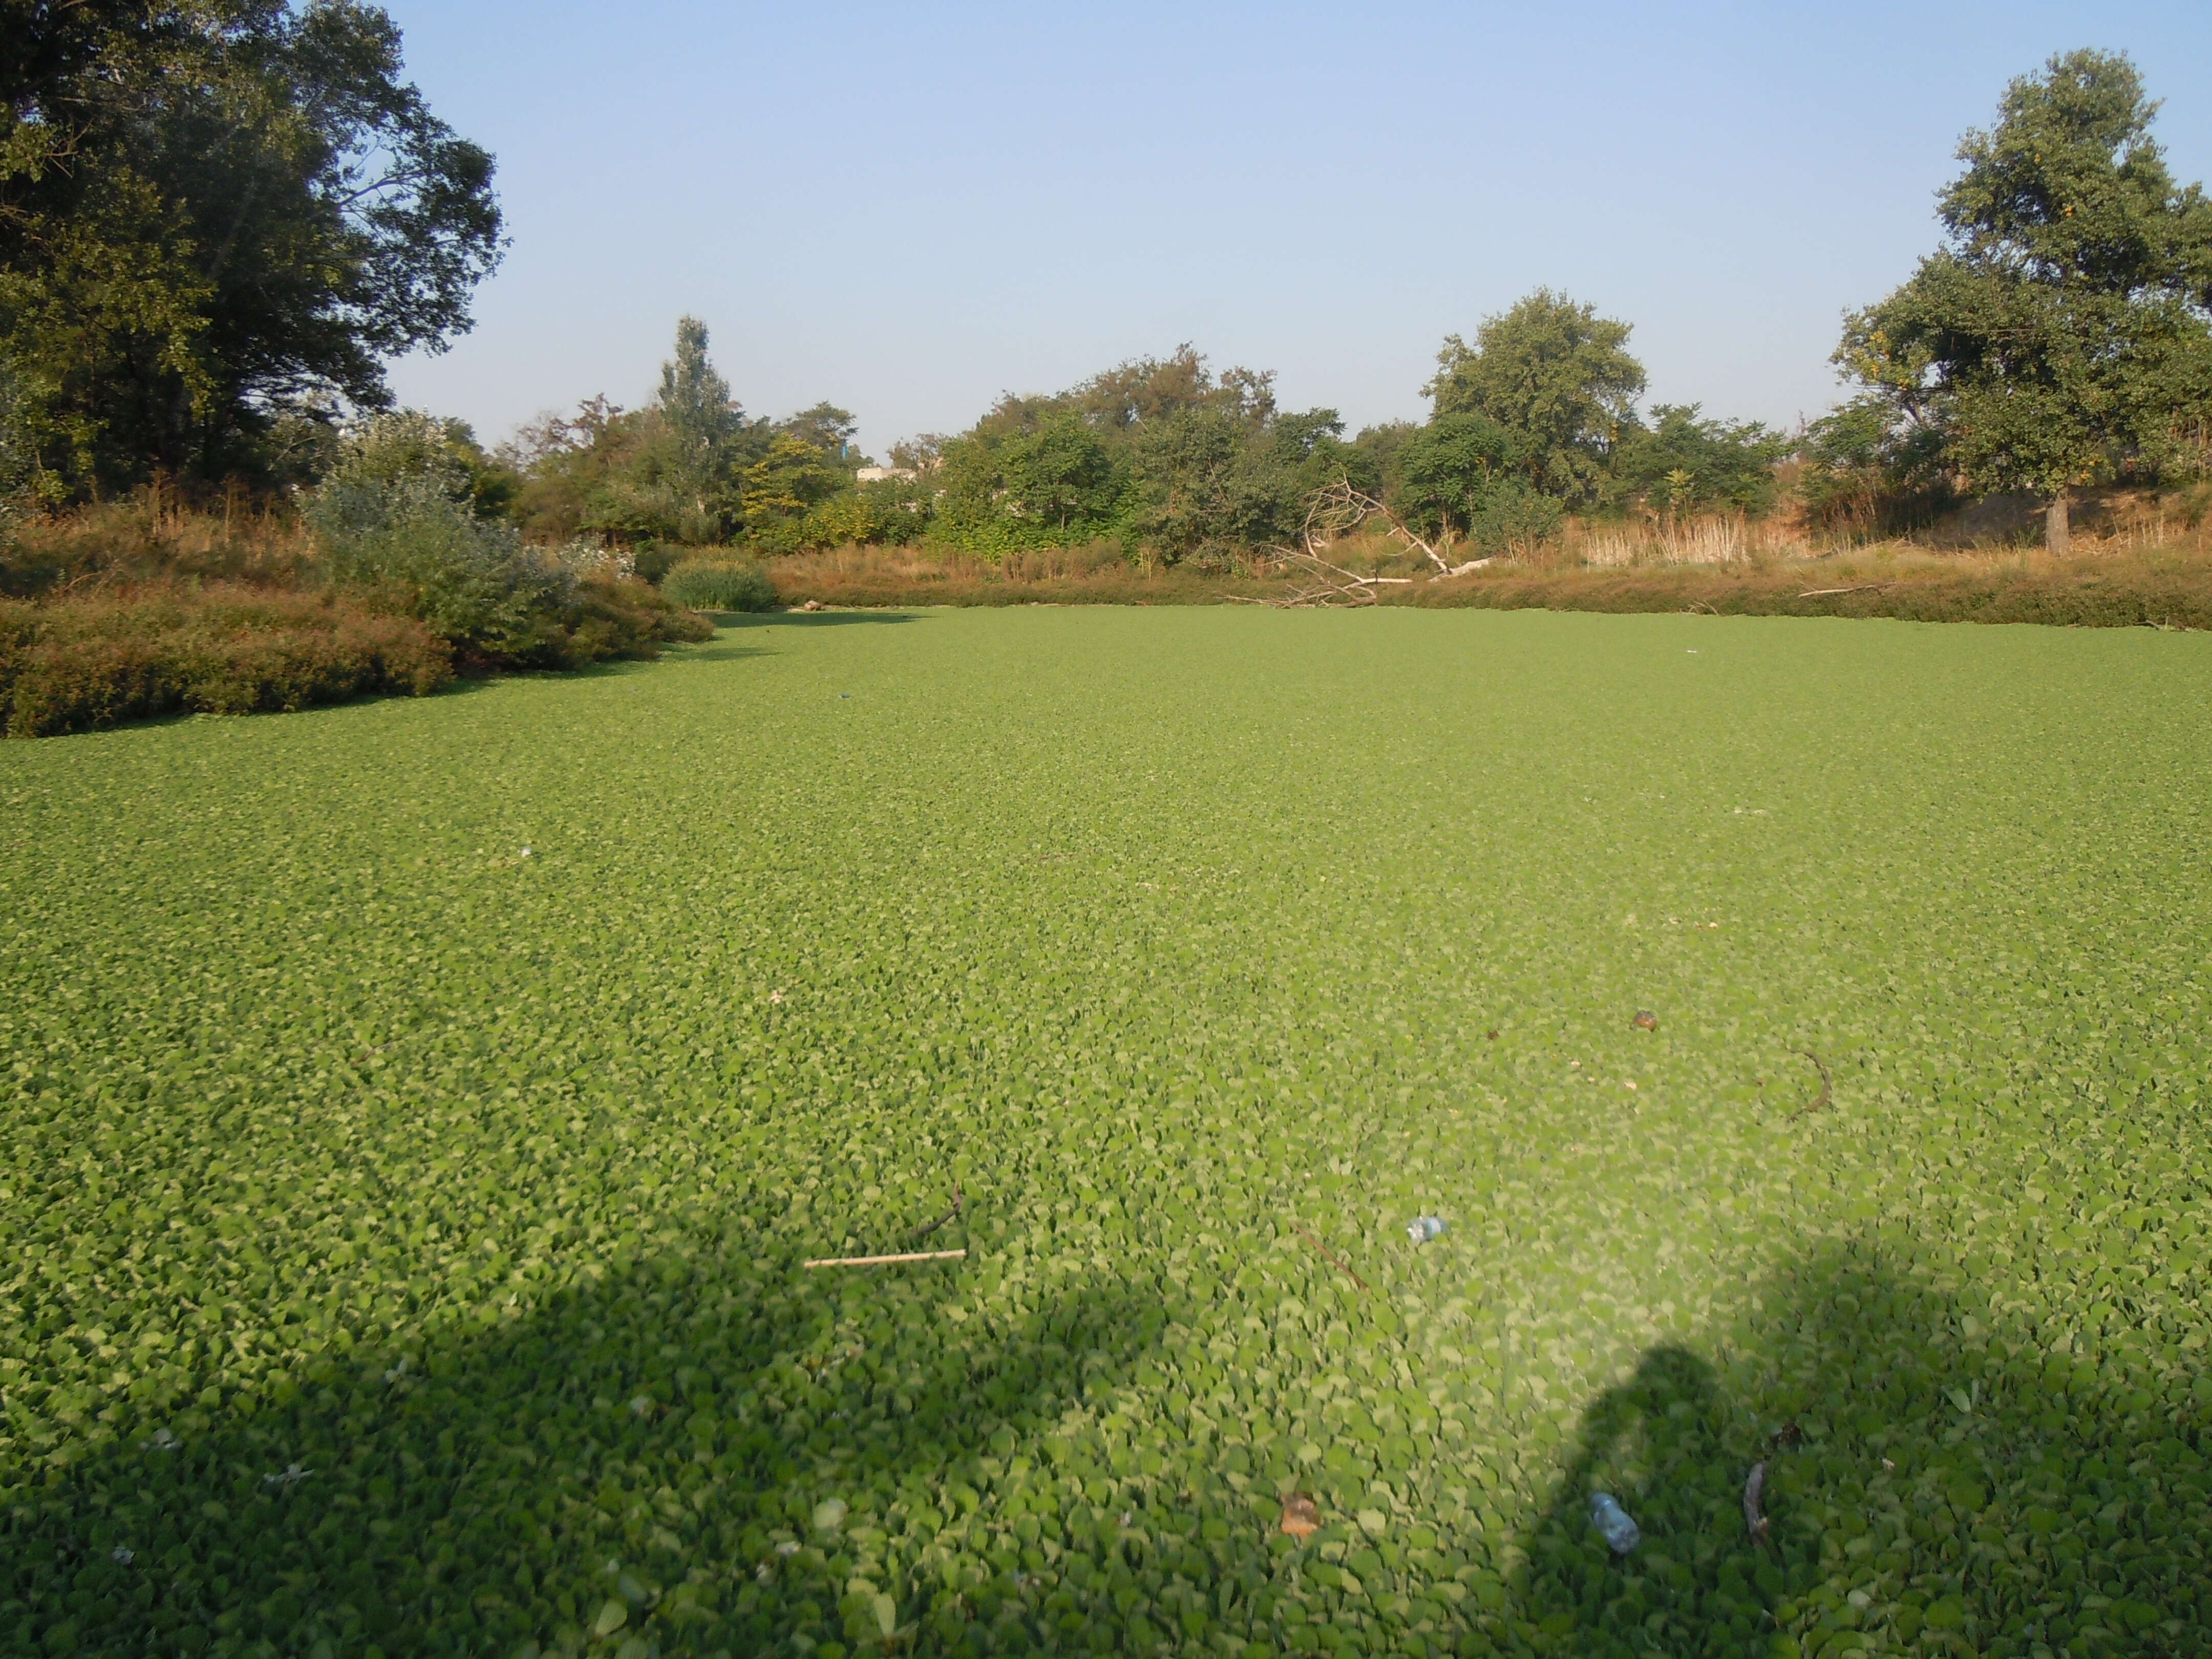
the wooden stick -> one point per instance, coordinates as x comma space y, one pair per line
1863, 588
1329, 1256
879, 1261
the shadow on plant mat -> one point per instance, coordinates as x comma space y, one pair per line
698, 1446
704, 1453
1930, 1486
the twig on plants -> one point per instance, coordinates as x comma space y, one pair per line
1827, 1083
880, 1261
1330, 1256
1862, 588
958, 1199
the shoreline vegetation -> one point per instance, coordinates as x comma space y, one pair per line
2027, 438
147, 608
2121, 583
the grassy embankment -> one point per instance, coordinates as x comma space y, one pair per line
127, 612
2158, 576
413, 1117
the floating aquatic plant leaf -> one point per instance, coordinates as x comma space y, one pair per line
399, 1237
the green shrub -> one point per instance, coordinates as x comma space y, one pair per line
405, 543
1515, 519
403, 535
720, 584
625, 618
95, 662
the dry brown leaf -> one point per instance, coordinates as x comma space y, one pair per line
1301, 1517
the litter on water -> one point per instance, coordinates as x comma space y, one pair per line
1621, 1534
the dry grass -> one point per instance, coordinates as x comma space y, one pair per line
2108, 586
98, 659
2135, 563
152, 537
1097, 574
1725, 539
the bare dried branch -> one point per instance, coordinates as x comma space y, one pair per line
1334, 512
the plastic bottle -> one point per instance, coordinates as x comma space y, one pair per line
1621, 1534
1424, 1228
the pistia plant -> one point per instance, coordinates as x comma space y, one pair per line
412, 1142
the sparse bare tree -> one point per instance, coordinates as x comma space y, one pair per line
1334, 512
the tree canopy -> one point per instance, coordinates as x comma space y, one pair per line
1161, 453
2056, 337
215, 212
1554, 375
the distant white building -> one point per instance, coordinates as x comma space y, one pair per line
878, 474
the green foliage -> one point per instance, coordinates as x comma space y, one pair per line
690, 469
1062, 477
1864, 469
211, 214
97, 661
1556, 376
786, 491
1515, 519
2061, 333
400, 1234
1204, 487
408, 443
407, 544
397, 527
18, 461
1160, 453
719, 585
1449, 471
705, 427
1680, 462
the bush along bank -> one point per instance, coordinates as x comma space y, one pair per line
393, 582
98, 661
90, 661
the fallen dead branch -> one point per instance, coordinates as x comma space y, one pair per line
1331, 1257
1332, 512
1862, 588
884, 1260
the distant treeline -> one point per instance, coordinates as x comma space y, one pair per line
217, 222
1537, 417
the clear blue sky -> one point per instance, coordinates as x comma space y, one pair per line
907, 209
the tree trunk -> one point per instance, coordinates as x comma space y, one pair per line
2057, 533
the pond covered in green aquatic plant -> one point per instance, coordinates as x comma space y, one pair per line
413, 1117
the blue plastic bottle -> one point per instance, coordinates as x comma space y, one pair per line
1612, 1523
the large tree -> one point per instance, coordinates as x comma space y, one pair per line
212, 211
704, 427
1556, 376
2059, 333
